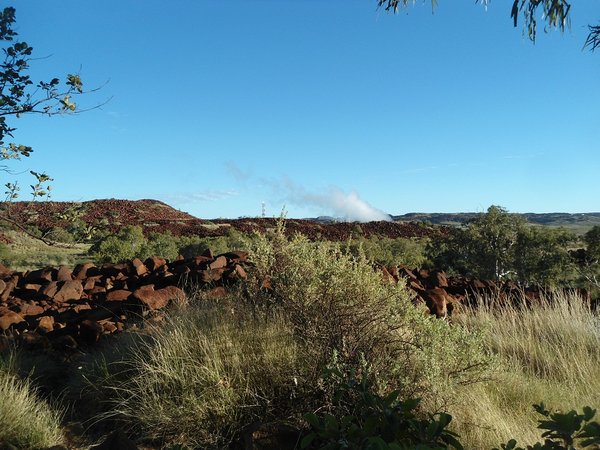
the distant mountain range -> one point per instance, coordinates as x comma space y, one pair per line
579, 222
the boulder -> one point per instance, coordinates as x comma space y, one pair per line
70, 290
157, 299
9, 318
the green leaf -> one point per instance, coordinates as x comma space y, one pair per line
307, 440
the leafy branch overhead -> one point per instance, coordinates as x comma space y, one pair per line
19, 96
555, 13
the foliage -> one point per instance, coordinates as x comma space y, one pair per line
498, 244
592, 240
125, 245
19, 96
484, 248
562, 430
338, 302
164, 245
366, 420
541, 255
390, 252
554, 12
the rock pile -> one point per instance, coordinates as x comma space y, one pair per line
62, 308
442, 293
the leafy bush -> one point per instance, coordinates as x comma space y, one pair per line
338, 302
563, 430
127, 244
364, 420
390, 252
164, 245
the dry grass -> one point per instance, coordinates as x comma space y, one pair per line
549, 353
26, 421
27, 253
208, 374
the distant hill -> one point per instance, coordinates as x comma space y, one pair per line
156, 216
579, 223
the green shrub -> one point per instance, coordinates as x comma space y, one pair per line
390, 252
60, 235
164, 245
338, 302
127, 244
563, 430
364, 420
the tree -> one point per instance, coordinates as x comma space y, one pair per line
498, 244
19, 96
483, 248
542, 256
554, 12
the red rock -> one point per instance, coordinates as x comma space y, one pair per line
220, 262
34, 341
9, 318
81, 270
155, 262
50, 289
45, 324
70, 290
157, 299
236, 256
438, 278
97, 290
118, 295
139, 267
38, 276
8, 290
90, 331
437, 301
30, 309
109, 327
64, 274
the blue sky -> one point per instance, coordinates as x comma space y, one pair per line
321, 106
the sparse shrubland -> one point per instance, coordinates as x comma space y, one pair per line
214, 371
258, 357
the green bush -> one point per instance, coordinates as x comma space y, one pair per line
363, 420
563, 430
339, 302
390, 252
127, 244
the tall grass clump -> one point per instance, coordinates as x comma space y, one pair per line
548, 352
207, 375
26, 420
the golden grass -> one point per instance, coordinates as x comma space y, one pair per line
26, 421
548, 353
